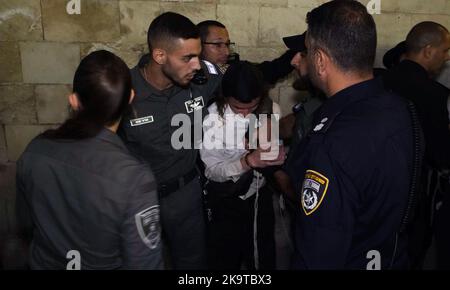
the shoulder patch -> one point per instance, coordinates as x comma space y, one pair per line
211, 68
148, 226
314, 189
319, 126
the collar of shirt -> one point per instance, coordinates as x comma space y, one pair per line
414, 68
236, 117
421, 73
110, 137
311, 104
412, 72
214, 111
336, 103
144, 89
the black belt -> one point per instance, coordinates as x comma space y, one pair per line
173, 185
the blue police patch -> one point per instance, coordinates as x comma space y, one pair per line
314, 189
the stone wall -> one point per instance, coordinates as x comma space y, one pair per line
41, 46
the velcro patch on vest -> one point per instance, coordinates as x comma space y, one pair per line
141, 121
314, 189
194, 105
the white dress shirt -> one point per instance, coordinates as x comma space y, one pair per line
224, 146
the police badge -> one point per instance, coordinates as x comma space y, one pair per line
314, 189
147, 223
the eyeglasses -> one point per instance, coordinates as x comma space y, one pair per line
219, 45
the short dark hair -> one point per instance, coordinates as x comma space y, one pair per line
423, 34
204, 26
346, 31
169, 26
102, 84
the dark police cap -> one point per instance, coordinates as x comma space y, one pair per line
392, 56
295, 42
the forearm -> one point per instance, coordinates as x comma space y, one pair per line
224, 170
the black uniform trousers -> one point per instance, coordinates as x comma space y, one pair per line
231, 230
184, 227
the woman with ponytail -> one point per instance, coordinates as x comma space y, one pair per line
83, 202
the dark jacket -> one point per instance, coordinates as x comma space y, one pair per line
411, 81
90, 196
352, 175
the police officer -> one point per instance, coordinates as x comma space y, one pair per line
218, 49
80, 194
352, 178
297, 124
304, 110
163, 91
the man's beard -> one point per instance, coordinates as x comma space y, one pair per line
169, 75
313, 77
303, 83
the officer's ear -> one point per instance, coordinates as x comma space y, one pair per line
321, 61
74, 102
132, 94
159, 55
295, 61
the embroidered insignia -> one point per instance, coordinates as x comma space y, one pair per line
148, 226
314, 189
319, 127
194, 105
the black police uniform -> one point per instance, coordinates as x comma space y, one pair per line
352, 175
147, 131
91, 196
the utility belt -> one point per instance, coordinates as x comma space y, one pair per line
166, 188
